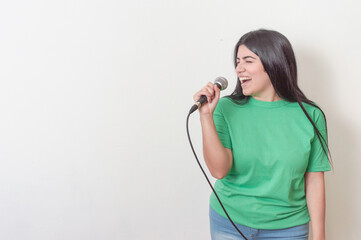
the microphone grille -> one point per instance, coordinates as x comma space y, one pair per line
222, 82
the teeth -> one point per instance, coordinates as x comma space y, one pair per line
244, 78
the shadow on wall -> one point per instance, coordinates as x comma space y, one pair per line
317, 80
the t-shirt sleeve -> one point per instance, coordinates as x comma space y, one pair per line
318, 161
222, 126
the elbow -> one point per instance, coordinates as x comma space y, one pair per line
219, 175
221, 171
219, 165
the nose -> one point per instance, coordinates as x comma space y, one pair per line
240, 68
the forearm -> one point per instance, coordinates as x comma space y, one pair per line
217, 158
315, 197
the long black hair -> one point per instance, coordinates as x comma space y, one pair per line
279, 62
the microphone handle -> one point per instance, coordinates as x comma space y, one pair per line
198, 104
202, 100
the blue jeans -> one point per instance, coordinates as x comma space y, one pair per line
222, 229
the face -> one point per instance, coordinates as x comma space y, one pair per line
255, 81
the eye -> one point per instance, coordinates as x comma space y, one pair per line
248, 61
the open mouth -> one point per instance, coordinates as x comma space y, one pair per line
244, 79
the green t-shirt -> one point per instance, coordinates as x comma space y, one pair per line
273, 145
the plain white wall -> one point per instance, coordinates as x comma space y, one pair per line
93, 101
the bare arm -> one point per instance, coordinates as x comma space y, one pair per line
218, 158
315, 197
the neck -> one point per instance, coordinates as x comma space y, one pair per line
271, 98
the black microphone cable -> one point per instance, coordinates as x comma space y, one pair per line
210, 184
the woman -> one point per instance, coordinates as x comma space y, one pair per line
266, 144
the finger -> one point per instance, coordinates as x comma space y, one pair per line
210, 89
198, 95
210, 86
207, 90
217, 92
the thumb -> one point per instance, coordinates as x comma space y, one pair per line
217, 92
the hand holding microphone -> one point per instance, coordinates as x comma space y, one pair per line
208, 96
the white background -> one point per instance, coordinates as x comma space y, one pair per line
93, 101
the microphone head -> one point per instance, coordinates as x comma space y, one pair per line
221, 82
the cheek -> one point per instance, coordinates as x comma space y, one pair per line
261, 74
256, 70
262, 79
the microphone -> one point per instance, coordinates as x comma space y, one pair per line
220, 82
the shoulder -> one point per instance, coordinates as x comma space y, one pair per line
316, 114
315, 111
227, 102
226, 105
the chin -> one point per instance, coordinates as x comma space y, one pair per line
246, 93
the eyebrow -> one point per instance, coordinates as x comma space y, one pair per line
246, 57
